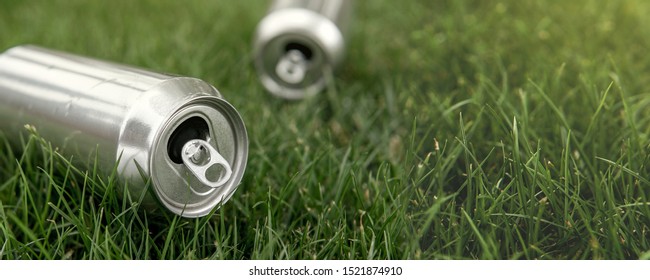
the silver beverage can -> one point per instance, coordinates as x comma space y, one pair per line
298, 43
179, 132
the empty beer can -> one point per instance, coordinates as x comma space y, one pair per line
298, 43
179, 132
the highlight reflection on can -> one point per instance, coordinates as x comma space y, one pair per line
297, 42
178, 131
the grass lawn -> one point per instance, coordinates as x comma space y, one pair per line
454, 129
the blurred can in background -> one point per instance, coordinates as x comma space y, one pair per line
177, 132
298, 43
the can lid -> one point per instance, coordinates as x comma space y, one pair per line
199, 157
295, 49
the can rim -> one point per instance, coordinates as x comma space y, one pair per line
238, 166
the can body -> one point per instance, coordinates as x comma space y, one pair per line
298, 43
125, 117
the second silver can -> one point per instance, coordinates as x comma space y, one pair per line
298, 43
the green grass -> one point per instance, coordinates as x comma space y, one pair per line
455, 129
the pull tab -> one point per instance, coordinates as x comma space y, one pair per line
292, 67
198, 155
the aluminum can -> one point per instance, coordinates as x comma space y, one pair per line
179, 133
298, 43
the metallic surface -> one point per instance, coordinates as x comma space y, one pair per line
124, 117
316, 28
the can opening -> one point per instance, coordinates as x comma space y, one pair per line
306, 51
192, 128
